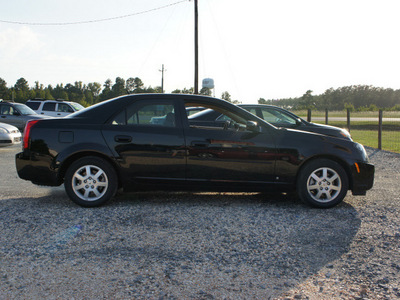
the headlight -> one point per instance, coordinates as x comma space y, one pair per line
3, 130
362, 151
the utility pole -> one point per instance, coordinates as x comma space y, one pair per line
162, 79
196, 49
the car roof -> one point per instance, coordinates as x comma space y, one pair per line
50, 100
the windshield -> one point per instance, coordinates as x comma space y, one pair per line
77, 106
24, 110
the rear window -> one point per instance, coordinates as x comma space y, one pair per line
33, 105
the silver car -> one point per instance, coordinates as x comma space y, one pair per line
9, 135
17, 114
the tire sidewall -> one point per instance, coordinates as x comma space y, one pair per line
102, 164
308, 170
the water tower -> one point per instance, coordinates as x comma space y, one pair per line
208, 83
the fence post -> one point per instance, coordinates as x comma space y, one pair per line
326, 116
348, 119
309, 115
380, 130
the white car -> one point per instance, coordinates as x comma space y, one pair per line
54, 108
9, 135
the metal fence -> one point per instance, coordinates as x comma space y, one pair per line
377, 129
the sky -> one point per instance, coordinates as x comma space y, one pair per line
252, 49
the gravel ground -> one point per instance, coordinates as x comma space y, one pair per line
199, 245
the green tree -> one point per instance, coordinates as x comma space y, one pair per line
262, 101
94, 88
118, 89
21, 89
106, 93
134, 85
189, 91
307, 101
205, 91
3, 89
226, 96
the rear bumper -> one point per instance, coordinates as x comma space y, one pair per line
363, 178
36, 170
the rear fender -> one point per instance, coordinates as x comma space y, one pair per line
65, 158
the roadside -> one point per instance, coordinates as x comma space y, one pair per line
199, 245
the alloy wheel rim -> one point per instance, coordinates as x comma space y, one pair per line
324, 185
89, 183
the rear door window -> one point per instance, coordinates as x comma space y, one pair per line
49, 107
147, 114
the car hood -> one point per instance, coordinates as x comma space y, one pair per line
8, 127
327, 130
325, 126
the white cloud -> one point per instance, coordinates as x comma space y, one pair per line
19, 42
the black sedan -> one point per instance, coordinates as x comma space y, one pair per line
275, 115
118, 144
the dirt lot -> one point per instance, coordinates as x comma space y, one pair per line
199, 245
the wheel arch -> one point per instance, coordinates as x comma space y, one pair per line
74, 157
336, 159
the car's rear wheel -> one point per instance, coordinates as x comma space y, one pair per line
322, 183
90, 181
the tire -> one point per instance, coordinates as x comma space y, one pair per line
322, 183
90, 181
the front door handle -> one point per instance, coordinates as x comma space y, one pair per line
123, 138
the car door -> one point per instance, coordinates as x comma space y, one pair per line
229, 155
147, 139
49, 109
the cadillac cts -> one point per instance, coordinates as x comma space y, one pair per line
147, 142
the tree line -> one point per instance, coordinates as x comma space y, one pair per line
86, 94
354, 97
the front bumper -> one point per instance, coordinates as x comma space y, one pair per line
362, 178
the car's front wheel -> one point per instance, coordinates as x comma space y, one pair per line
322, 183
90, 181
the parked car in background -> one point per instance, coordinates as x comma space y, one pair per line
123, 143
9, 135
277, 116
17, 114
54, 108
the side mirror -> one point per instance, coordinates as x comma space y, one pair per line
298, 122
252, 126
16, 113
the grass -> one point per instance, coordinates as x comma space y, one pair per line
343, 113
390, 139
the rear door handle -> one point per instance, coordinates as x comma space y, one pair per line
123, 138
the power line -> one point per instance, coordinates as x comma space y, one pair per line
92, 21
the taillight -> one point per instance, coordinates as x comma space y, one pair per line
27, 132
